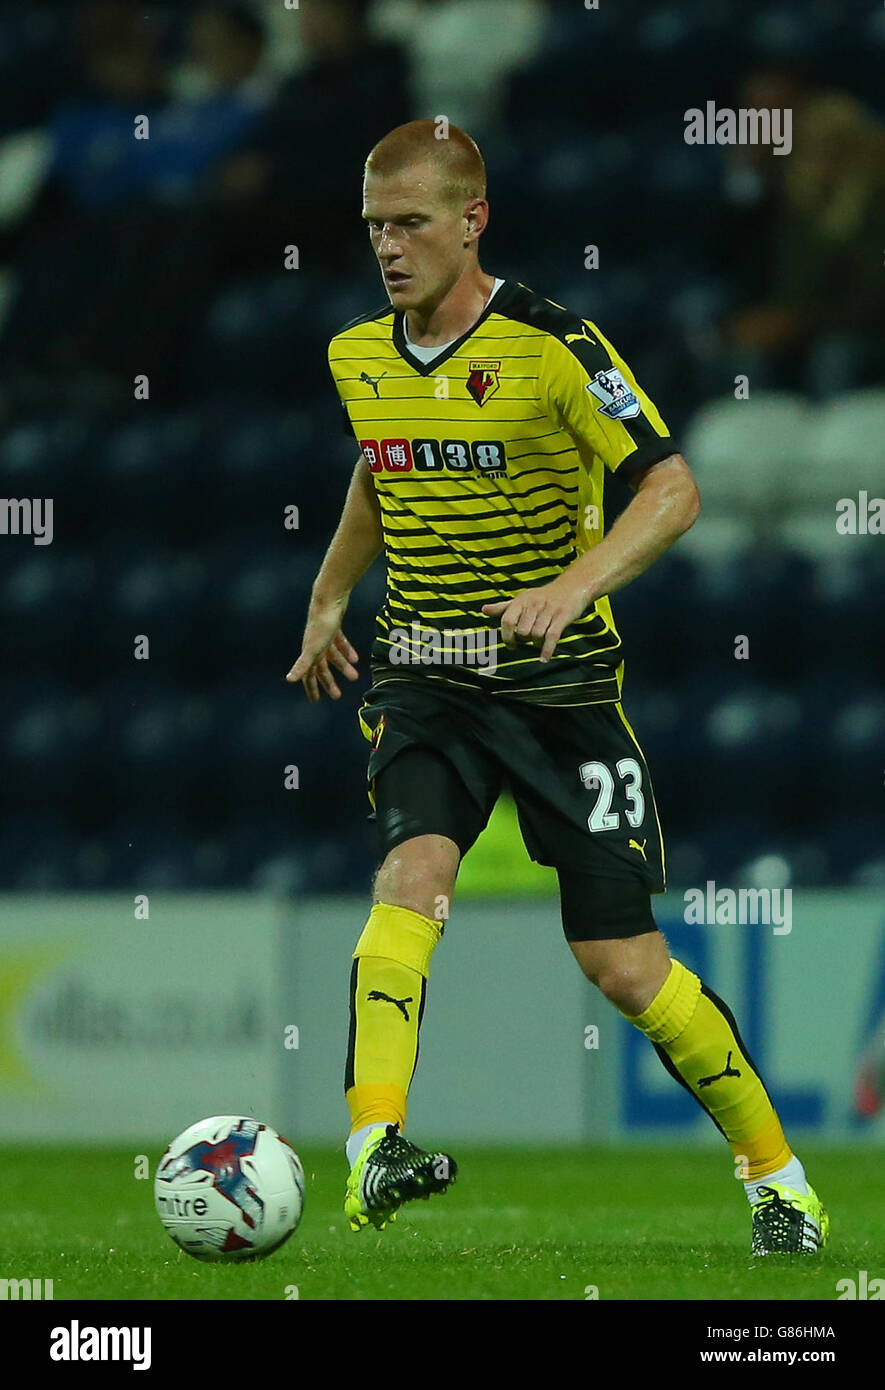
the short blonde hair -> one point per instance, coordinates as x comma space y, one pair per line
455, 157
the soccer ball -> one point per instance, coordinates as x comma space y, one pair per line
229, 1188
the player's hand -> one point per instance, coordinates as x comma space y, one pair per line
323, 646
538, 617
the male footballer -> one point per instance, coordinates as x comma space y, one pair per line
486, 416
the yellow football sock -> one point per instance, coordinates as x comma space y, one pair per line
387, 990
697, 1039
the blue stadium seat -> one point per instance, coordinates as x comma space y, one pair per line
38, 851
162, 595
746, 453
52, 742
46, 597
260, 340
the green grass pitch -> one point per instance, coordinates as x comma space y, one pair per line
518, 1224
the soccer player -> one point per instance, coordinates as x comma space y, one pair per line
486, 416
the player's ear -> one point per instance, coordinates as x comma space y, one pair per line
476, 216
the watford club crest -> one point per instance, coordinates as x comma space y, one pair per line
482, 381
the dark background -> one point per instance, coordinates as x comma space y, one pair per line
165, 257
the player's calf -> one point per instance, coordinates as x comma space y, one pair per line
696, 1038
388, 988
419, 874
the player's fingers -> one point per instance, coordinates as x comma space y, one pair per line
509, 619
339, 660
540, 625
492, 610
346, 647
311, 689
308, 659
310, 654
554, 632
326, 679
532, 623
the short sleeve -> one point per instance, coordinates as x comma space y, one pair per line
590, 391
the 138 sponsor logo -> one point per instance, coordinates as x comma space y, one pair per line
485, 456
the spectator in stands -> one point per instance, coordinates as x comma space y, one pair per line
752, 182
461, 52
299, 180
230, 87
821, 322
95, 163
116, 268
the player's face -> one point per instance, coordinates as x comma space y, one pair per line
416, 234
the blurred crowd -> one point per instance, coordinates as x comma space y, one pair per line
800, 236
181, 158
180, 202
180, 149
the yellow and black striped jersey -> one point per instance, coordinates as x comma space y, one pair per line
488, 464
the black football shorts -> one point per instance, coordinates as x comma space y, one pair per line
441, 756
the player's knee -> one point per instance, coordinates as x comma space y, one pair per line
630, 972
419, 874
626, 984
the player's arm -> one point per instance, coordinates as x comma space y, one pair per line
356, 543
666, 504
631, 440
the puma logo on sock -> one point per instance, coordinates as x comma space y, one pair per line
400, 1003
729, 1071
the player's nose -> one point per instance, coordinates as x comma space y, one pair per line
387, 243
